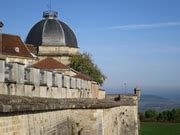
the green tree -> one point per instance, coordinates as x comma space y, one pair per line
83, 63
165, 116
169, 116
141, 116
176, 115
151, 115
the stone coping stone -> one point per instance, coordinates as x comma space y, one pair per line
22, 104
127, 94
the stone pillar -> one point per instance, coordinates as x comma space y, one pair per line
18, 73
36, 76
49, 79
2, 70
66, 82
43, 77
21, 73
59, 80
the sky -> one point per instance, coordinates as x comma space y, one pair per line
134, 42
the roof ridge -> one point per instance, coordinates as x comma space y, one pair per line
52, 64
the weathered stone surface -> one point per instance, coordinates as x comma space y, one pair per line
9, 103
120, 120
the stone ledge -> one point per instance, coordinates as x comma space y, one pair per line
21, 104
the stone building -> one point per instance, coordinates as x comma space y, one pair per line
41, 95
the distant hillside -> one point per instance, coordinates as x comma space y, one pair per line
153, 98
157, 102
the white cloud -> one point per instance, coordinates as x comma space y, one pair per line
144, 26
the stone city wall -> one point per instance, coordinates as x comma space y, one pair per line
121, 120
114, 121
43, 116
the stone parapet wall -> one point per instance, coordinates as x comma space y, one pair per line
22, 104
42, 91
121, 96
20, 79
74, 117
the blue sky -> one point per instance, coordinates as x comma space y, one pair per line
136, 42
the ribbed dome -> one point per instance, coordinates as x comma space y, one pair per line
51, 31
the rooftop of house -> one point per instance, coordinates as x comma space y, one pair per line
50, 64
32, 48
12, 45
83, 76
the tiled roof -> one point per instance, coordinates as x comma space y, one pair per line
50, 63
32, 48
13, 45
83, 76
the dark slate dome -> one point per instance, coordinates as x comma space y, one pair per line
1, 24
51, 31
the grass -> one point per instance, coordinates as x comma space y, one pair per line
150, 128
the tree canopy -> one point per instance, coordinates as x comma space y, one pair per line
83, 63
164, 116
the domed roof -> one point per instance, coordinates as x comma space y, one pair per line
51, 31
1, 24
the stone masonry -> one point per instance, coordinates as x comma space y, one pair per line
43, 116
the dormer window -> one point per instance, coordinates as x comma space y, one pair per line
17, 49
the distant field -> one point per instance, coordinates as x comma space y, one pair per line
160, 128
